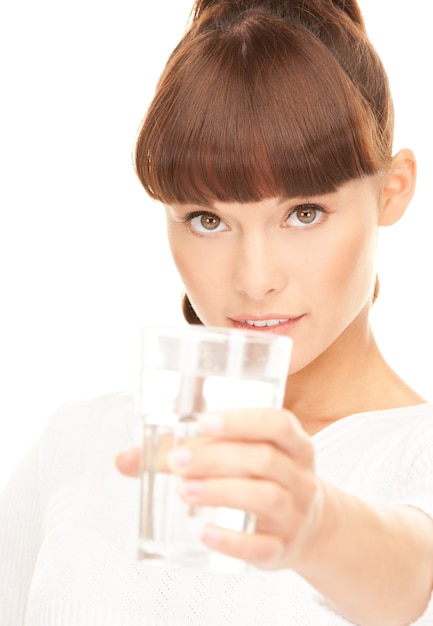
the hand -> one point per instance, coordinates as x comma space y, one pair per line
258, 460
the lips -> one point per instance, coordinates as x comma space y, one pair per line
269, 323
264, 323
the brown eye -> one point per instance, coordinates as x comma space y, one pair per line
202, 222
209, 221
306, 214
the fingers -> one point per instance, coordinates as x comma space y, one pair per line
254, 442
278, 510
210, 459
286, 521
276, 426
154, 451
265, 443
262, 550
228, 458
255, 460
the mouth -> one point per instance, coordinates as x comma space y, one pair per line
277, 324
264, 323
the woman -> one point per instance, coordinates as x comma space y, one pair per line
269, 143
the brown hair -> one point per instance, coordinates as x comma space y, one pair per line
266, 98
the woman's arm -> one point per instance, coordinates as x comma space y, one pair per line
19, 540
373, 563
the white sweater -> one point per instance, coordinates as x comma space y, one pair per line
68, 526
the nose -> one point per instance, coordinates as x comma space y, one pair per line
259, 270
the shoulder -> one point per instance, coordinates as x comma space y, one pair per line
87, 429
381, 433
381, 455
378, 426
93, 413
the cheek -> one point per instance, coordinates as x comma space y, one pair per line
183, 261
186, 267
182, 256
350, 266
203, 284
200, 273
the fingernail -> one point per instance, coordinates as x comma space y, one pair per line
190, 489
211, 423
178, 458
211, 535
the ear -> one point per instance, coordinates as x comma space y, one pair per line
398, 187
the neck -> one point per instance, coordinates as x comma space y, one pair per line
351, 376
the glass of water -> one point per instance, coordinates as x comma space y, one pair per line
185, 371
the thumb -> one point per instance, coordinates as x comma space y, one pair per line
128, 462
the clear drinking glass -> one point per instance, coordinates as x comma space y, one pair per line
183, 372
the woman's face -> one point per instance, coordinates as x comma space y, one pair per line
302, 267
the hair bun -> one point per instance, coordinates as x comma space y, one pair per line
202, 5
283, 8
351, 8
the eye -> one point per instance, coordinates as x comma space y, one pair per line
305, 215
203, 222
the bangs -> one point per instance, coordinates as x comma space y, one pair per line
261, 111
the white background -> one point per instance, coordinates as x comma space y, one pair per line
83, 255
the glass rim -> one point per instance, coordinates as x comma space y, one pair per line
215, 332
